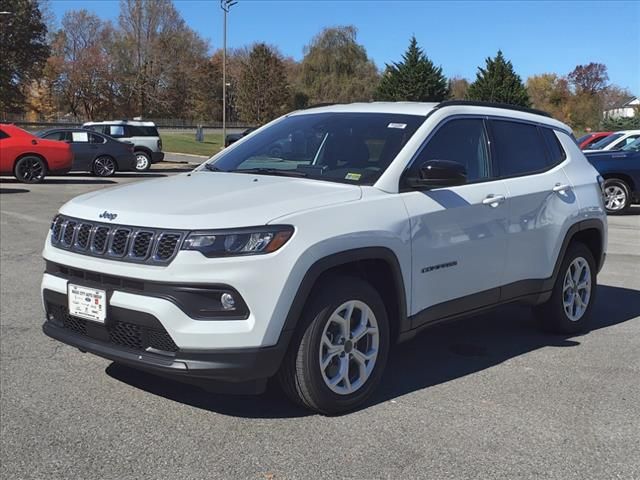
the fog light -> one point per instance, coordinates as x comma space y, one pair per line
227, 301
51, 316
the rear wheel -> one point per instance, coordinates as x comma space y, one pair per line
104, 166
30, 169
616, 196
337, 359
143, 161
569, 308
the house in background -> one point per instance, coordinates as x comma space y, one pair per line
626, 109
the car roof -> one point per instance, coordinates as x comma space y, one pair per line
122, 122
426, 108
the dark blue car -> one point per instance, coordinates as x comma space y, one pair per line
621, 171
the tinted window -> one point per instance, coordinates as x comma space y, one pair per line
3, 135
519, 148
556, 153
93, 138
627, 141
345, 147
56, 136
463, 141
139, 131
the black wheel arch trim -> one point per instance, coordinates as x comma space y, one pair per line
343, 258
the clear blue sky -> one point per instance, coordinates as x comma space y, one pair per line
537, 36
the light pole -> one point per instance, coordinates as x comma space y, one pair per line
225, 5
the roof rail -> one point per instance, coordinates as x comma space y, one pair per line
452, 103
318, 105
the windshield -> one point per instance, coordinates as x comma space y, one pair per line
339, 147
605, 141
583, 138
633, 146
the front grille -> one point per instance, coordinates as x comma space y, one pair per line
129, 335
83, 235
116, 242
119, 242
68, 232
167, 245
142, 243
100, 238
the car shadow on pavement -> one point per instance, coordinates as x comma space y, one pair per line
440, 354
13, 190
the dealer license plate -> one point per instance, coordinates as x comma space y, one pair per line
88, 303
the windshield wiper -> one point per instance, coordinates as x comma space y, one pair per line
212, 168
272, 171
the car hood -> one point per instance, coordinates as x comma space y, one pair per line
206, 200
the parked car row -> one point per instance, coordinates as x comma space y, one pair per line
101, 148
621, 172
597, 141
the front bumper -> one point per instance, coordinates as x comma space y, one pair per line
139, 340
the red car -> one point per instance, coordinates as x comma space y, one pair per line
589, 139
30, 158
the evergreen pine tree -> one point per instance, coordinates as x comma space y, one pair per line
499, 83
415, 78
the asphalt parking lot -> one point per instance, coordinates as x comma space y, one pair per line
485, 397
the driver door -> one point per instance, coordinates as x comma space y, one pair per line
459, 236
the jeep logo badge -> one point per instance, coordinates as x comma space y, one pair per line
108, 216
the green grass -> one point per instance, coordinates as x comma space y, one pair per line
186, 143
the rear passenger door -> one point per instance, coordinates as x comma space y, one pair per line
540, 199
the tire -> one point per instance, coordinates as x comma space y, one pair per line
301, 375
104, 166
616, 196
143, 162
30, 169
555, 316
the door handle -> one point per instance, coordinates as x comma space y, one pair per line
560, 188
493, 200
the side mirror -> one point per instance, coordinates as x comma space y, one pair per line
437, 173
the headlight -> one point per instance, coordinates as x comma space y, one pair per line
245, 241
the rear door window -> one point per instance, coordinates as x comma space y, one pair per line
116, 131
93, 138
519, 148
80, 137
60, 136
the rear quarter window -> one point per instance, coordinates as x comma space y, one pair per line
3, 135
556, 152
141, 131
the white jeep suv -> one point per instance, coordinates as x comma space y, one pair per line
374, 222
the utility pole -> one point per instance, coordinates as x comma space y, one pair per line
225, 5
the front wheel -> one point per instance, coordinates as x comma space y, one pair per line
337, 359
616, 196
569, 308
143, 162
30, 170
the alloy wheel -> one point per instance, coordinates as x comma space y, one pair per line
30, 170
104, 166
576, 290
349, 347
615, 198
